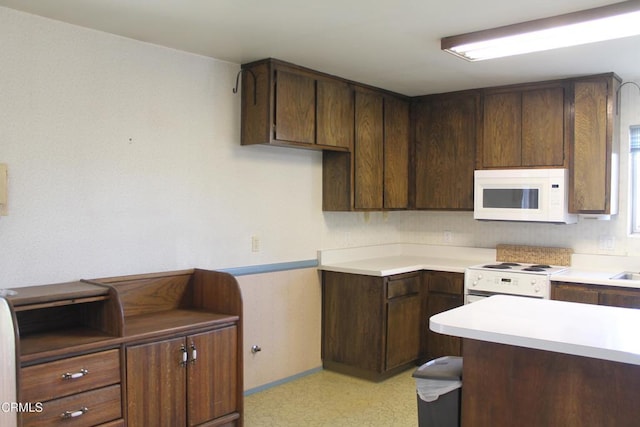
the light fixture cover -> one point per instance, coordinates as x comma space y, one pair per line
587, 26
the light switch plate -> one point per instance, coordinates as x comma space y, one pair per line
3, 190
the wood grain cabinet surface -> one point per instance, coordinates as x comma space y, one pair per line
524, 127
444, 292
182, 381
151, 349
596, 294
595, 146
370, 325
284, 104
445, 137
369, 149
375, 174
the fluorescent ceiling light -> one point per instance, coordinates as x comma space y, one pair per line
587, 26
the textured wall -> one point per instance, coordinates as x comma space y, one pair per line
125, 157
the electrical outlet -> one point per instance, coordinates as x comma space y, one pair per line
255, 243
606, 243
447, 237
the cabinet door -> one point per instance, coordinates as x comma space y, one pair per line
353, 314
403, 330
156, 384
444, 292
334, 114
211, 375
543, 127
445, 152
368, 150
396, 153
439, 345
627, 298
295, 108
590, 184
502, 130
574, 293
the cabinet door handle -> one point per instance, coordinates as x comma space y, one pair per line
73, 414
185, 355
194, 353
74, 375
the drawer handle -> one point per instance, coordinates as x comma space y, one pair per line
73, 414
73, 376
185, 355
194, 353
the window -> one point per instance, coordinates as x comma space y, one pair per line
634, 165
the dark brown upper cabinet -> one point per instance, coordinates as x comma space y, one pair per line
524, 127
397, 130
375, 175
284, 104
369, 150
446, 130
594, 145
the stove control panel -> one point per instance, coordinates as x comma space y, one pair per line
501, 282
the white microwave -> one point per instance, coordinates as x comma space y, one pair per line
536, 195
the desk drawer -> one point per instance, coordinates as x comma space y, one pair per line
48, 381
83, 409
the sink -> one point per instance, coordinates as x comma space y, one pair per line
626, 275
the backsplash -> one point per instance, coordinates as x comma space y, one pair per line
588, 236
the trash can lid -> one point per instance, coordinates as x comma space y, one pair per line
443, 368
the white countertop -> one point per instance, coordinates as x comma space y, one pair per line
601, 332
387, 260
397, 258
387, 266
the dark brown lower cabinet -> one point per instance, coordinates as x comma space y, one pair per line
505, 385
444, 292
195, 372
370, 325
596, 294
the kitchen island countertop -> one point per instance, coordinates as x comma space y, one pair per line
607, 333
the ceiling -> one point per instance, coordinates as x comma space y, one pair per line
391, 44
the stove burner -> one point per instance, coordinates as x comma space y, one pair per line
541, 266
503, 266
533, 268
510, 264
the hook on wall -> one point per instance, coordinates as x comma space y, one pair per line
235, 89
618, 94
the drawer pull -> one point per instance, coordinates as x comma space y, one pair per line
66, 415
185, 355
73, 376
194, 354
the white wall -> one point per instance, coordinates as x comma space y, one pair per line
125, 157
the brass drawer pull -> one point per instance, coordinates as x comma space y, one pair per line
73, 376
73, 414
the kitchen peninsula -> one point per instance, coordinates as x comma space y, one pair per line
545, 362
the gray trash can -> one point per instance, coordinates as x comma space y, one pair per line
438, 384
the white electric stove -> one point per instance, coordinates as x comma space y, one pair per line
510, 278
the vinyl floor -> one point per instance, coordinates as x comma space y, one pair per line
327, 398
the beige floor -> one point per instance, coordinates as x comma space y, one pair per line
326, 398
